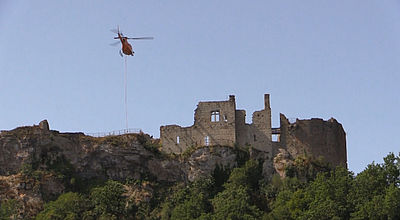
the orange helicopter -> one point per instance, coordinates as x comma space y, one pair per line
126, 46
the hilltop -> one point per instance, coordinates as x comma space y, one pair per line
38, 164
47, 174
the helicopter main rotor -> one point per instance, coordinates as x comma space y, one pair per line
136, 38
120, 34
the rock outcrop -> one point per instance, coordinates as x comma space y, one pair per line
281, 161
114, 157
29, 192
59, 156
38, 164
203, 161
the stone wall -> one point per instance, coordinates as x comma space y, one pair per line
220, 130
316, 137
219, 123
214, 124
258, 133
321, 139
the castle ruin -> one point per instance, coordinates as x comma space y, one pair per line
219, 123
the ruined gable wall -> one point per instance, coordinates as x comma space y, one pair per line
221, 132
258, 134
315, 137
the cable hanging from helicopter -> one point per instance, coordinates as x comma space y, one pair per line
127, 50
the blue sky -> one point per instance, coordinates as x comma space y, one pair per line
316, 58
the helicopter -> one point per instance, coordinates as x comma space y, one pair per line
126, 46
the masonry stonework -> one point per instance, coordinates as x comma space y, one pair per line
315, 137
219, 123
214, 124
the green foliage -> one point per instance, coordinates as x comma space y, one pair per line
326, 197
323, 198
9, 209
67, 206
27, 169
190, 208
203, 199
236, 201
189, 202
103, 202
391, 166
312, 192
108, 199
392, 202
375, 192
248, 175
82, 185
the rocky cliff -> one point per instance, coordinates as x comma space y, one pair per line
37, 164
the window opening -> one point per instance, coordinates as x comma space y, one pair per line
225, 118
254, 137
177, 139
276, 138
207, 141
215, 116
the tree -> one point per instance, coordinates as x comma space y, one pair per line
108, 200
9, 209
375, 190
67, 206
236, 201
323, 198
191, 208
392, 202
190, 202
